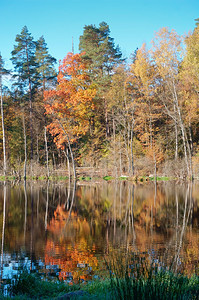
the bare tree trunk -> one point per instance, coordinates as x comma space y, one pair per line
120, 155
190, 138
25, 146
181, 127
70, 149
37, 148
127, 152
114, 141
54, 162
132, 157
106, 118
30, 107
46, 146
155, 166
68, 162
176, 134
151, 132
2, 120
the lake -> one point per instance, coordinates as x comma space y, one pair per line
69, 230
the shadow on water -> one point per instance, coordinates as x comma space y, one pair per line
63, 230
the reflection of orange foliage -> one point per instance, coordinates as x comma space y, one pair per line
59, 220
191, 253
73, 257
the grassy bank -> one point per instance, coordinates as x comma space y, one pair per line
122, 284
87, 178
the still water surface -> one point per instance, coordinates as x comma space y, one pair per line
66, 230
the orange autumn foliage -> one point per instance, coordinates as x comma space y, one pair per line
74, 258
71, 103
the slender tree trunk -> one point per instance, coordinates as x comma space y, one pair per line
127, 153
46, 146
25, 146
151, 132
181, 127
128, 145
176, 134
54, 162
106, 118
70, 149
190, 158
190, 138
68, 162
155, 166
66, 153
114, 141
3, 129
120, 155
30, 106
132, 157
37, 148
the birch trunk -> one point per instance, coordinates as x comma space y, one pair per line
70, 149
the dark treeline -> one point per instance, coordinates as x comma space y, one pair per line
101, 111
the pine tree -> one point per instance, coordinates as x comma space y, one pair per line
23, 58
101, 55
47, 74
45, 63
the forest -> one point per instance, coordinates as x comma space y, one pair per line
102, 114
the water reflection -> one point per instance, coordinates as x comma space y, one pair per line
64, 230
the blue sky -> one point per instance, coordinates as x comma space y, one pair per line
131, 22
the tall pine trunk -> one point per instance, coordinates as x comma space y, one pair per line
2, 120
25, 146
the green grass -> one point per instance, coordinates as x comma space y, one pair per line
31, 286
135, 278
123, 178
3, 178
129, 278
108, 178
161, 178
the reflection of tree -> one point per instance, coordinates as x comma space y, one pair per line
63, 248
159, 220
3, 228
25, 211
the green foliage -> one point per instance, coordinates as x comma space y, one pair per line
23, 58
45, 63
100, 51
